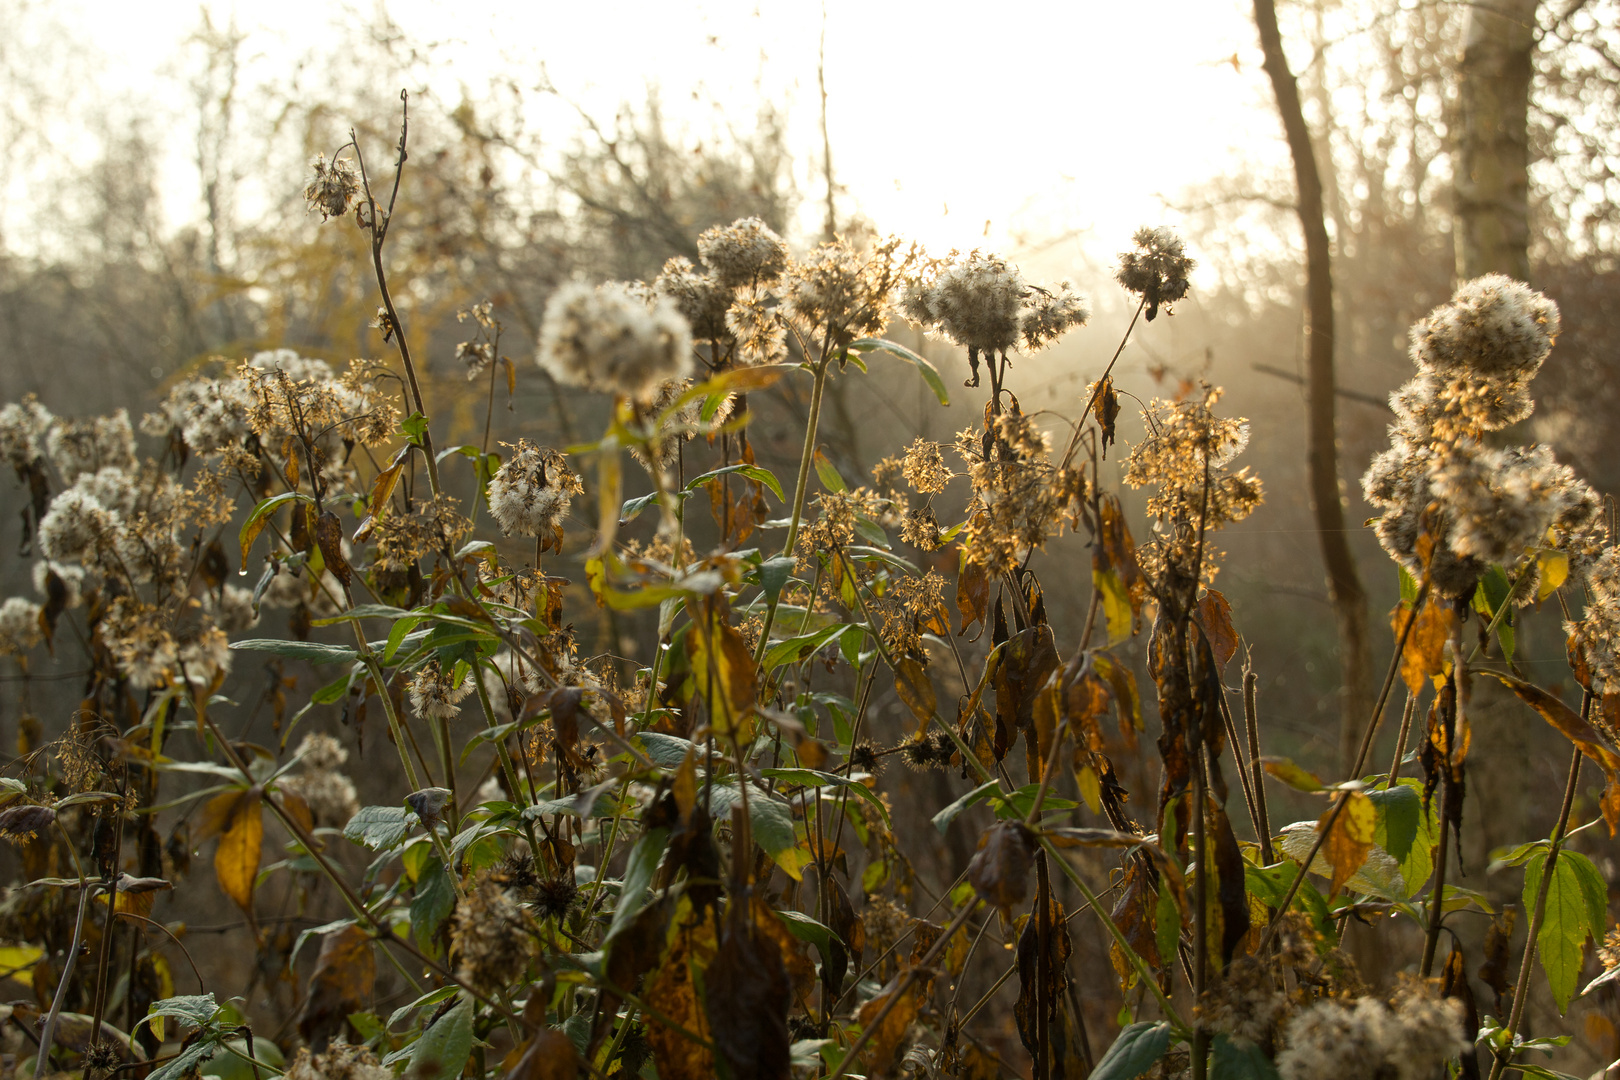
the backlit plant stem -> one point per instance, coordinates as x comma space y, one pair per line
1521, 989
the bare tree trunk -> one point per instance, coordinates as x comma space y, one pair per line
1327, 498
1493, 184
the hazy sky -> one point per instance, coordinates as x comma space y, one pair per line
1040, 118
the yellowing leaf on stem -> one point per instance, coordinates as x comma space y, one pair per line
1350, 837
1425, 653
236, 862
1554, 567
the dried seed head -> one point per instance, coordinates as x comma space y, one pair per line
530, 493
866, 756
702, 301
339, 1061
20, 628
1493, 328
333, 189
553, 897
491, 939
745, 252
1156, 269
609, 339
22, 431
925, 469
435, 692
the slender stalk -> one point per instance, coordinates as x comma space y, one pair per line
1200, 902
1251, 720
1245, 780
1521, 989
1400, 743
852, 1055
1448, 792
47, 1031
806, 456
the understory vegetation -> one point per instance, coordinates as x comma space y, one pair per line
671, 850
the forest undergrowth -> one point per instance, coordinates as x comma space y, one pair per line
688, 867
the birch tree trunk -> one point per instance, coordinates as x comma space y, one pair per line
1348, 598
1492, 233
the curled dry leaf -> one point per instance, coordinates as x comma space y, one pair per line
999, 872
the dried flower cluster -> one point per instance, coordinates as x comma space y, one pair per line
530, 493
1477, 504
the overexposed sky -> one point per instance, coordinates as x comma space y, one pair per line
1042, 119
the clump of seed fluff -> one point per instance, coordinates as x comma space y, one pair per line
1477, 504
610, 339
530, 493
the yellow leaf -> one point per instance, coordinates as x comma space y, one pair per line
236, 862
1090, 788
1351, 839
722, 666
1116, 602
1554, 572
13, 958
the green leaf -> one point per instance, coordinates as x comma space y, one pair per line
770, 821
638, 875
796, 649
435, 899
187, 1061
774, 574
927, 370
666, 750
1561, 944
194, 1009
1407, 831
362, 611
413, 426
1245, 1061
1594, 890
1136, 1050
313, 651
830, 479
1167, 924
380, 828
254, 525
943, 819
586, 804
812, 778
443, 1049
753, 472
432, 997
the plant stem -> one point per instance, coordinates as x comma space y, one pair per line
47, 1031
852, 1055
1200, 902
1400, 743
806, 456
1431, 937
1522, 987
1251, 720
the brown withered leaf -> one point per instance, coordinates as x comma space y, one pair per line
1135, 913
1028, 662
880, 1052
1454, 985
747, 992
1351, 838
345, 973
1231, 890
1425, 652
1497, 972
214, 567
1106, 410
1028, 961
1214, 616
674, 988
851, 940
236, 861
999, 872
722, 666
1566, 720
548, 1055
972, 594
20, 824
136, 895
916, 689
1610, 805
